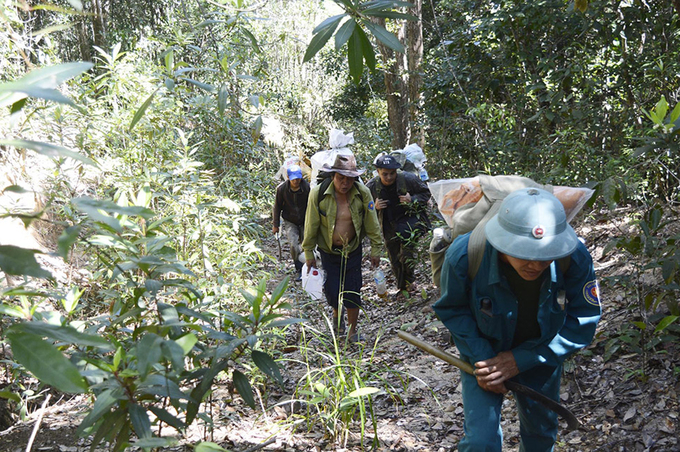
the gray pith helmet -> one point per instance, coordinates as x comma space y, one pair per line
531, 225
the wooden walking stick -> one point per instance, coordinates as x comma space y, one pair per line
547, 402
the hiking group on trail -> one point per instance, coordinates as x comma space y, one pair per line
518, 287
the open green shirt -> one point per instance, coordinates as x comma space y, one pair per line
319, 226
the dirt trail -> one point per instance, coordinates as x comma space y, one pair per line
422, 410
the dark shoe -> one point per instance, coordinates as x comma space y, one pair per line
298, 277
341, 330
356, 337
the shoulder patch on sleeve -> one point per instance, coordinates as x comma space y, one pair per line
591, 292
371, 206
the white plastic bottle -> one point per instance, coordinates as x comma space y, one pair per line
380, 282
312, 282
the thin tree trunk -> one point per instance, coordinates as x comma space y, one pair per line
414, 52
396, 92
84, 41
98, 24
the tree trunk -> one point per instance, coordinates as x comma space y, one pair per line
98, 24
396, 91
84, 41
414, 52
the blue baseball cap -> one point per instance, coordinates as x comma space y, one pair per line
294, 172
531, 224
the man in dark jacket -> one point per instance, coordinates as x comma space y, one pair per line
291, 205
400, 201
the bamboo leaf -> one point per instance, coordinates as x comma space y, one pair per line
242, 385
222, 97
663, 324
41, 82
203, 86
48, 149
142, 110
47, 363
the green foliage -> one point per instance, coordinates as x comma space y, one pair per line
359, 18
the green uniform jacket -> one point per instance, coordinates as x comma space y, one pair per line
319, 226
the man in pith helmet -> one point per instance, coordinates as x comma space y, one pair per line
339, 215
533, 302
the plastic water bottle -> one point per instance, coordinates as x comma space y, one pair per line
423, 174
312, 282
380, 283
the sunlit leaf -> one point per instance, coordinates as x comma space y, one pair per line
67, 238
344, 33
361, 392
40, 82
51, 29
140, 112
207, 446
48, 149
21, 261
201, 85
47, 363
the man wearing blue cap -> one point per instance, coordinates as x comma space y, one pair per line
400, 201
532, 303
291, 205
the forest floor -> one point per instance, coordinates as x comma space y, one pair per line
620, 407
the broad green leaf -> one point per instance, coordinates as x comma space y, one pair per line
207, 446
70, 301
242, 385
67, 238
51, 29
148, 353
321, 37
102, 404
201, 85
367, 49
640, 325
252, 38
280, 289
256, 129
21, 190
21, 261
62, 333
88, 205
187, 342
355, 57
9, 395
41, 80
389, 14
155, 442
222, 98
140, 421
675, 114
361, 392
47, 363
384, 36
140, 113
48, 149
168, 418
663, 324
267, 365
173, 353
284, 322
13, 311
344, 33
386, 4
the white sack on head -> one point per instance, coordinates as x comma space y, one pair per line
338, 139
338, 142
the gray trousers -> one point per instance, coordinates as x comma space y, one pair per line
294, 234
